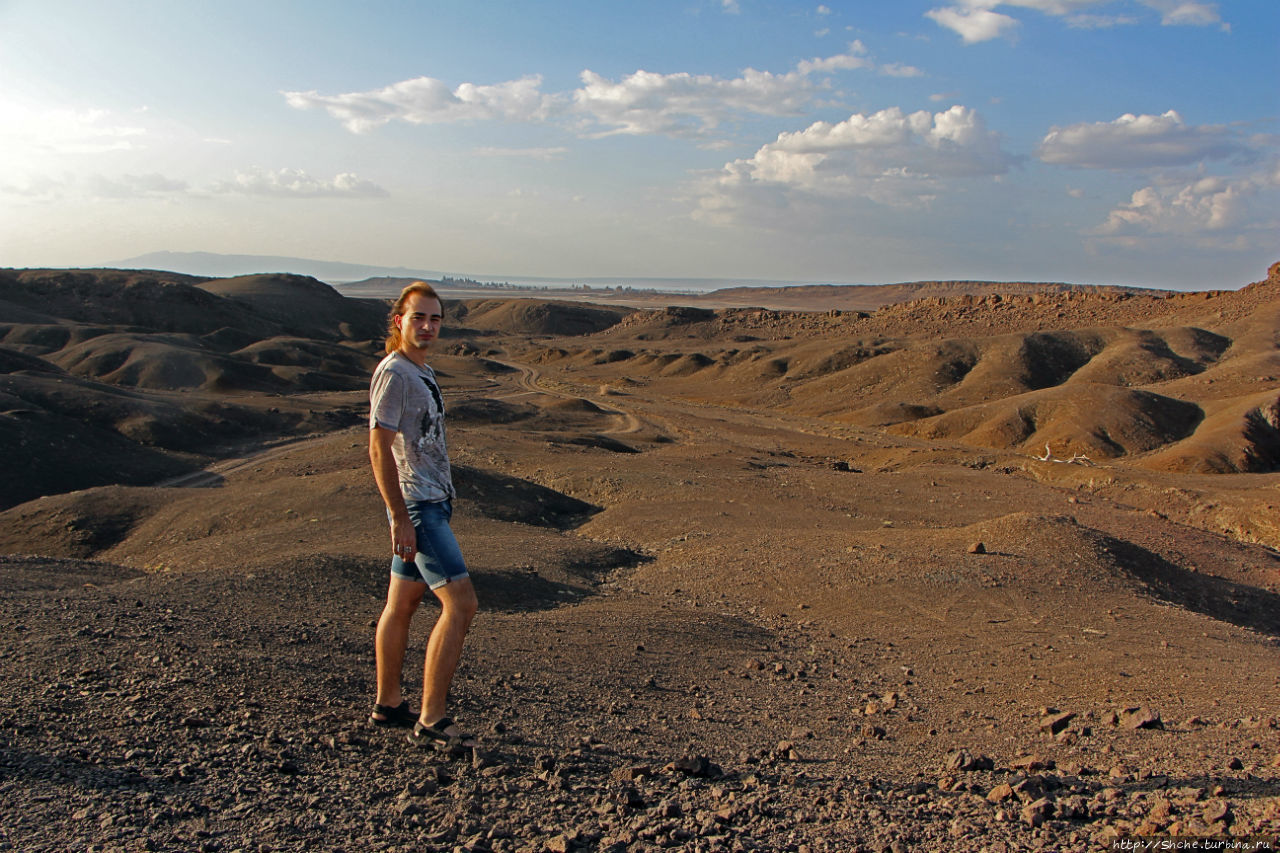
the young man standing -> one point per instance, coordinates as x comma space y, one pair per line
411, 466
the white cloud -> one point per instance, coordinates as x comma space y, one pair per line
823, 10
1212, 211
889, 157
97, 186
645, 102
1141, 142
730, 6
1186, 13
686, 104
62, 131
134, 186
971, 23
897, 69
977, 21
531, 153
695, 105
426, 100
1057, 8
40, 187
295, 183
1207, 212
1099, 22
855, 58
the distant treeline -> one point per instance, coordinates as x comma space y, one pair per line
449, 281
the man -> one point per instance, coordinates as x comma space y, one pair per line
411, 466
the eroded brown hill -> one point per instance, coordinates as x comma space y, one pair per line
748, 579
116, 376
1181, 382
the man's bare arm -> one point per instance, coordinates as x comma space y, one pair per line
404, 539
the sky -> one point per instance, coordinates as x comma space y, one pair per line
1130, 142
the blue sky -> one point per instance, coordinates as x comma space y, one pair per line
1132, 142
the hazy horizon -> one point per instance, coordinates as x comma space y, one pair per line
340, 273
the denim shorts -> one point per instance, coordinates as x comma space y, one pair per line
439, 559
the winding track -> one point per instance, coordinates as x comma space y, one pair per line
213, 475
530, 380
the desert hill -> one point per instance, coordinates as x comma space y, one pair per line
817, 297
117, 376
534, 317
750, 579
1184, 382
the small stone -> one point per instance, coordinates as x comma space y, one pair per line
958, 760
1071, 807
631, 773
977, 548
1218, 810
630, 796
1140, 718
559, 844
1000, 793
1035, 814
1032, 763
1030, 789
699, 766
1054, 724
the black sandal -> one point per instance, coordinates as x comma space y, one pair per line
435, 737
400, 716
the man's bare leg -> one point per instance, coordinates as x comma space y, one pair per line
403, 597
444, 647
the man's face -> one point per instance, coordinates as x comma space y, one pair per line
420, 323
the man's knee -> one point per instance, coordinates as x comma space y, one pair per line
403, 598
399, 610
459, 597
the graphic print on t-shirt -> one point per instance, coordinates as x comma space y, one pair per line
432, 427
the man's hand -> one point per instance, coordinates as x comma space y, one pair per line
404, 539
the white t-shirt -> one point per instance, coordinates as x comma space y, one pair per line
406, 398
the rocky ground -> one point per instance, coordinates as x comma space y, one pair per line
705, 625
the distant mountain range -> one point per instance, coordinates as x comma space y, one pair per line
217, 265
221, 266
362, 278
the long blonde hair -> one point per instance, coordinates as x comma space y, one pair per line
392, 342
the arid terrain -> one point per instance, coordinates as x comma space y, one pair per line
961, 567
